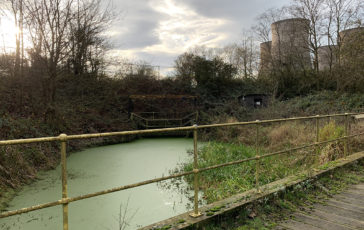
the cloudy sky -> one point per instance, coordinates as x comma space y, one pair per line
157, 31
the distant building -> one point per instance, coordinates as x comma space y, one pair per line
254, 100
327, 57
352, 43
290, 43
265, 57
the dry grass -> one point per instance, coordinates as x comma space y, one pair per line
235, 143
357, 143
289, 135
331, 152
286, 135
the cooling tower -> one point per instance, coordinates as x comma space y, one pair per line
327, 57
265, 57
351, 35
290, 44
352, 44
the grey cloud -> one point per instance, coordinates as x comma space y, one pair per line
137, 25
157, 58
140, 34
140, 21
242, 11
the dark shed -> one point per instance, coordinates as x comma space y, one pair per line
254, 100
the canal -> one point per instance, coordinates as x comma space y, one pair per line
100, 168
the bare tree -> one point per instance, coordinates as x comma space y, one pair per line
48, 22
312, 10
243, 56
262, 28
16, 9
263, 33
341, 15
67, 37
87, 42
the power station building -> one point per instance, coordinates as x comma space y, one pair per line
289, 48
265, 57
352, 45
290, 43
327, 57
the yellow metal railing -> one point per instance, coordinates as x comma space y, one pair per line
63, 139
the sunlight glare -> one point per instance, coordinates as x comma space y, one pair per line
8, 31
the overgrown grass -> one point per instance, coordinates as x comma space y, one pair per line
223, 182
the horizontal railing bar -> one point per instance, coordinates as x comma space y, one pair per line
227, 164
30, 209
29, 141
82, 197
162, 119
275, 153
83, 136
310, 145
135, 132
161, 113
152, 126
273, 121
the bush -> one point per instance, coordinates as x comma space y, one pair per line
332, 150
331, 131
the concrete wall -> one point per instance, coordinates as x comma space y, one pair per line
290, 43
265, 57
352, 45
327, 57
350, 35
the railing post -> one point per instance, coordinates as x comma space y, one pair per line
317, 133
63, 140
195, 213
346, 146
257, 162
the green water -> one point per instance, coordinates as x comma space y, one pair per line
101, 168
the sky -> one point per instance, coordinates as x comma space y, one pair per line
157, 31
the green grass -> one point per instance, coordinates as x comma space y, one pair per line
221, 183
224, 182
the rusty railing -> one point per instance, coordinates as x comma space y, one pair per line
63, 139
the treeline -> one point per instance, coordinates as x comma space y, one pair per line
61, 80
